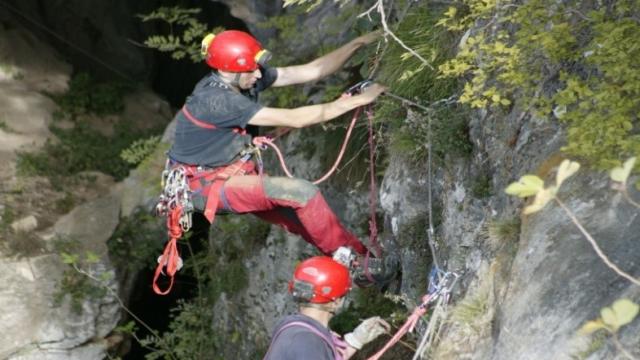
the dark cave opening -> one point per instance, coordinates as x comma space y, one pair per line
155, 310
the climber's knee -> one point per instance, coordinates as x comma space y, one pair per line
281, 188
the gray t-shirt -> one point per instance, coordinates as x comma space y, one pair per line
297, 342
214, 102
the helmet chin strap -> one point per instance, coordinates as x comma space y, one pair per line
232, 80
236, 80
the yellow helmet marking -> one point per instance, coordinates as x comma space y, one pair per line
205, 43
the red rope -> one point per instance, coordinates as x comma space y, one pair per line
263, 140
408, 326
170, 257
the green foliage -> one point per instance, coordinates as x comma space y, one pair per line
530, 185
472, 311
139, 150
481, 186
621, 313
621, 173
592, 58
189, 335
7, 218
80, 148
501, 231
75, 286
5, 127
184, 35
137, 240
87, 96
218, 268
408, 77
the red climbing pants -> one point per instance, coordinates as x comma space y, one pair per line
294, 204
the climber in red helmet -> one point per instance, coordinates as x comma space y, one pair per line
213, 137
319, 285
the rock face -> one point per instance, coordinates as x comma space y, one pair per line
534, 289
41, 321
557, 280
527, 283
35, 329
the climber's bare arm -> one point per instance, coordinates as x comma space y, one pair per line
324, 65
314, 114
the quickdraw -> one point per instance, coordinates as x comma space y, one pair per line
174, 203
441, 288
175, 192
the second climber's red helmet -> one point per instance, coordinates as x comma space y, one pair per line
320, 280
233, 51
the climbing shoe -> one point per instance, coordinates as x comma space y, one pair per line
376, 271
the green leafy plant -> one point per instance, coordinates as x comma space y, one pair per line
189, 335
367, 302
88, 96
139, 150
81, 148
556, 60
621, 313
74, 284
407, 76
184, 35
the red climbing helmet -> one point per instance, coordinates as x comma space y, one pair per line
320, 280
233, 51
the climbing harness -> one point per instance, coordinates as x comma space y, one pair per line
179, 182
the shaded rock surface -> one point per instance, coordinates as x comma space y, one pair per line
42, 322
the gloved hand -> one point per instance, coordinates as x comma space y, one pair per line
366, 332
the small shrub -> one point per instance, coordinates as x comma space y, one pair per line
501, 231
189, 335
183, 21
481, 186
409, 78
7, 218
87, 96
80, 149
